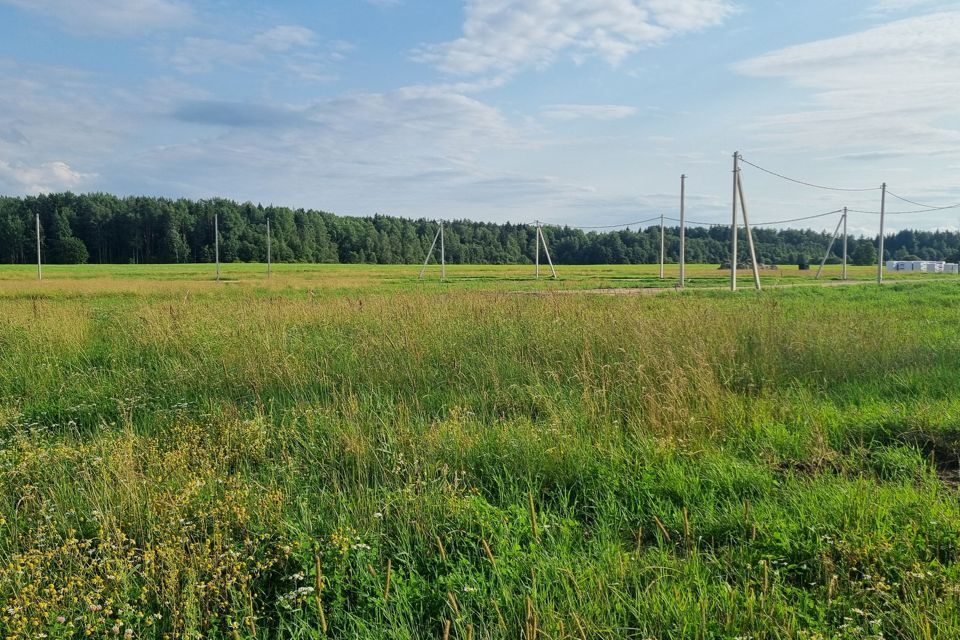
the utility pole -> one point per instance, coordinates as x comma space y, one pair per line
733, 224
268, 247
683, 231
430, 251
546, 251
537, 258
883, 212
844, 277
746, 226
216, 243
662, 246
833, 239
443, 256
39, 267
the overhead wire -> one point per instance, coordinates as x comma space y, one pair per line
761, 224
927, 207
804, 182
819, 215
695, 222
610, 226
900, 213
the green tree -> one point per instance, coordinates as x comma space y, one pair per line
865, 253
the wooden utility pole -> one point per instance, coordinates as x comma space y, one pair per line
883, 211
683, 231
443, 256
268, 247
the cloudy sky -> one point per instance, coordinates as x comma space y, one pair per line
569, 111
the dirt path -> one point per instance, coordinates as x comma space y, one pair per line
652, 291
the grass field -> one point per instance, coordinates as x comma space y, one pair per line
340, 279
346, 452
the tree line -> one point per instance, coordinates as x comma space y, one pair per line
103, 228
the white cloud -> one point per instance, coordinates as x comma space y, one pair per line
48, 177
884, 7
292, 49
118, 17
587, 111
402, 150
284, 38
892, 89
55, 124
504, 36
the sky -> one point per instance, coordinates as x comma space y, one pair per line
581, 112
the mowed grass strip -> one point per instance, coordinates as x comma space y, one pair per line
391, 460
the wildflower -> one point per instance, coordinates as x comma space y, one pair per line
61, 619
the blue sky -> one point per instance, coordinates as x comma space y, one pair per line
569, 111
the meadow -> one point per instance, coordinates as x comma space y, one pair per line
346, 452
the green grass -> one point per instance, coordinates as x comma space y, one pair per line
345, 448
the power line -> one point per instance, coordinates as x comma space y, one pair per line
900, 213
610, 226
696, 223
819, 215
928, 207
761, 224
806, 184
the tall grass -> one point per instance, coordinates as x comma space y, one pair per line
252, 461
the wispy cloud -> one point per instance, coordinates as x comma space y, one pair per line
115, 17
293, 49
54, 124
587, 111
886, 7
893, 88
505, 36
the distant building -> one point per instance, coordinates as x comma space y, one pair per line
923, 266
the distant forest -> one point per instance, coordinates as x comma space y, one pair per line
103, 228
